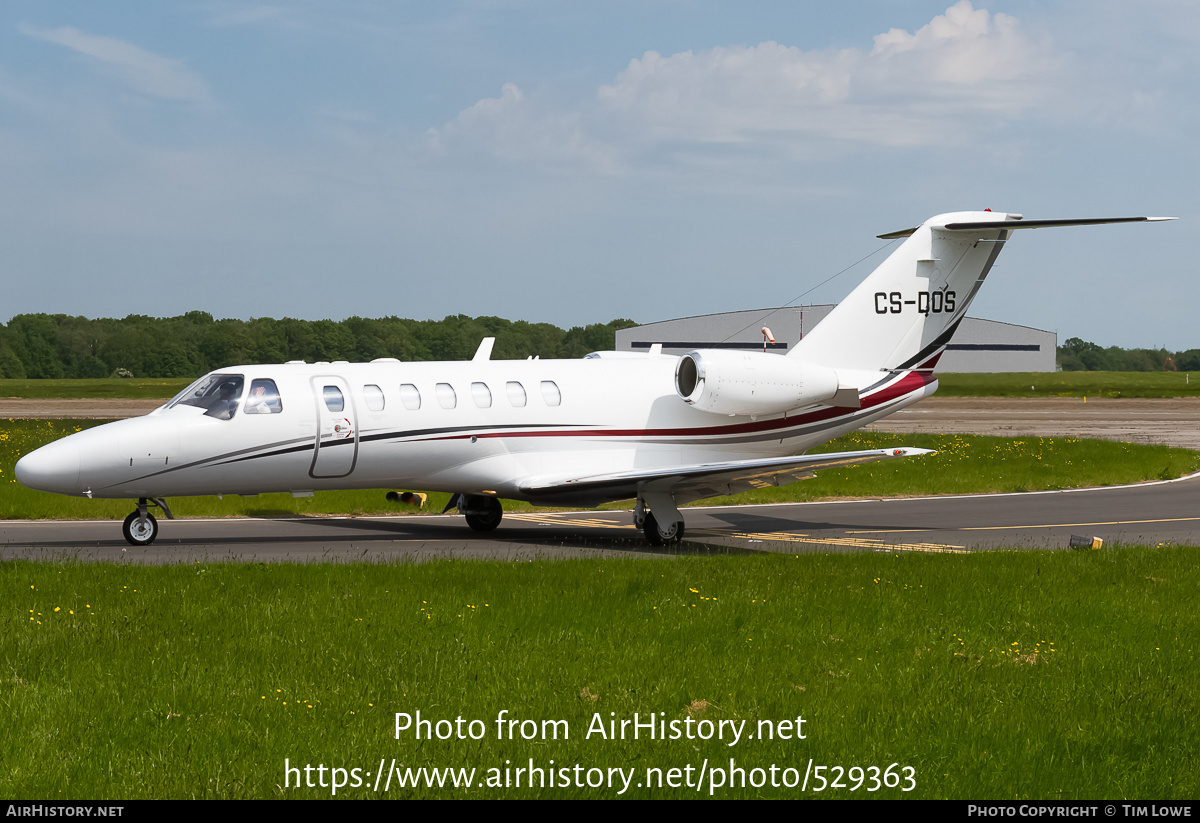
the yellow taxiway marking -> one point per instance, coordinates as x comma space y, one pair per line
857, 542
551, 520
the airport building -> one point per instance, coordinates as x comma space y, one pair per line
977, 346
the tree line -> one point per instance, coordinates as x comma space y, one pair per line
1080, 355
60, 346
36, 346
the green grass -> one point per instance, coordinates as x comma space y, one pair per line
1069, 384
1000, 675
970, 464
963, 464
137, 388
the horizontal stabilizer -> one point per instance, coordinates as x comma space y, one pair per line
1046, 224
687, 483
1027, 224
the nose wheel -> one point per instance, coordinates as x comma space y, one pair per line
140, 527
483, 512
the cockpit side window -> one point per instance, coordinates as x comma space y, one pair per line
263, 397
218, 394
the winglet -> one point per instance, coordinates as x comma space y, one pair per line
896, 235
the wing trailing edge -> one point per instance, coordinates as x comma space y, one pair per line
687, 483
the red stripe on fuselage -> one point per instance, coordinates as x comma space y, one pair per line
912, 381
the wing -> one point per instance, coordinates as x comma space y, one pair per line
687, 483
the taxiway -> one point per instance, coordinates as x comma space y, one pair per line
1151, 513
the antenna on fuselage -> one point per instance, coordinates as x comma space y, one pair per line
484, 352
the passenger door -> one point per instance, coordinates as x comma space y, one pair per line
336, 448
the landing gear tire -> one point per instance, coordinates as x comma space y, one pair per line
658, 537
139, 530
483, 513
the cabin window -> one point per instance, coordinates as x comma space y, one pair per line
218, 394
550, 393
482, 395
410, 397
333, 398
446, 396
374, 397
516, 394
263, 397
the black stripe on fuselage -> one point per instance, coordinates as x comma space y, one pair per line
307, 444
775, 429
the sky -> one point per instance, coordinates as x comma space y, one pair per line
577, 162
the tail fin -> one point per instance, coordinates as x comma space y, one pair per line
902, 316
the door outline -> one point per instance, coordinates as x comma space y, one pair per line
331, 465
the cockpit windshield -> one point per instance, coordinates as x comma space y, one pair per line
218, 394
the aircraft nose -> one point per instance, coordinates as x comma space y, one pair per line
52, 468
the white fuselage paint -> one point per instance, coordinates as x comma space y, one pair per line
618, 414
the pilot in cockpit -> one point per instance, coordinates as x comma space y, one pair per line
227, 404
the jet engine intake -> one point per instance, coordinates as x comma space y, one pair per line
733, 382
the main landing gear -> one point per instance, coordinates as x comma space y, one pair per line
656, 515
483, 513
669, 530
140, 527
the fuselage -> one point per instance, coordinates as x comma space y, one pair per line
478, 426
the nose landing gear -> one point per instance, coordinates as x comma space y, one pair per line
483, 513
140, 527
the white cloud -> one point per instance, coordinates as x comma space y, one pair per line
967, 58
910, 89
966, 71
513, 127
144, 71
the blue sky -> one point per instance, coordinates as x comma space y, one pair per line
575, 162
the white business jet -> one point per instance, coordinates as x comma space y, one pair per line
659, 429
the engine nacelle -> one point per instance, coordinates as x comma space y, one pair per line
733, 382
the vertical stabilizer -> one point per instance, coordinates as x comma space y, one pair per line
903, 315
